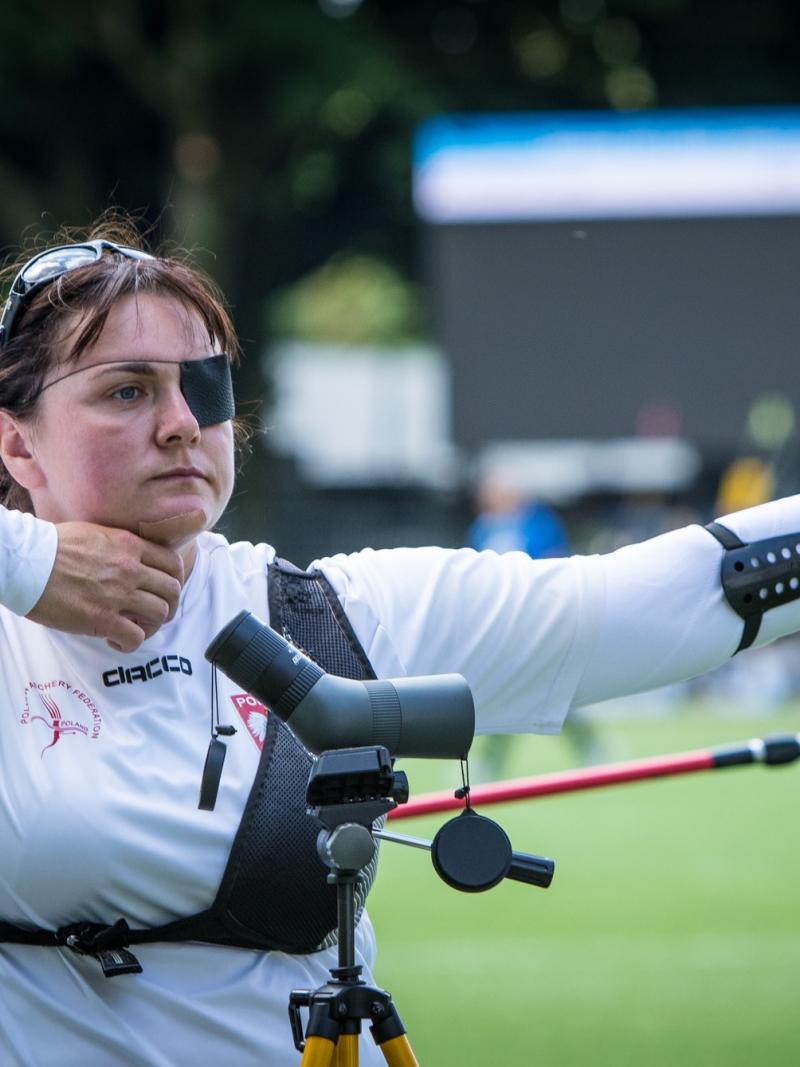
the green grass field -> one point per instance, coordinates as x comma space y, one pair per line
670, 934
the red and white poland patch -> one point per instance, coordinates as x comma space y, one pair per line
254, 716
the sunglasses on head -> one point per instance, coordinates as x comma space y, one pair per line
49, 265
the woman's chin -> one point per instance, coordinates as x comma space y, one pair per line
177, 529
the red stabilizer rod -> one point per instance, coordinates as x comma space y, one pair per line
782, 749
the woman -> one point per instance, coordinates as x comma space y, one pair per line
117, 444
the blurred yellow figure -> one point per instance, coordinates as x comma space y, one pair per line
746, 482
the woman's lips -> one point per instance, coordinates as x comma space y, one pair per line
181, 472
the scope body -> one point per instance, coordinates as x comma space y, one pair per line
430, 717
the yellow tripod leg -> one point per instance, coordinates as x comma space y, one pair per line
319, 1052
346, 1051
397, 1052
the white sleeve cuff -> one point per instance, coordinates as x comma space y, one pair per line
27, 553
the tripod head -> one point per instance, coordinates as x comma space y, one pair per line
354, 785
349, 789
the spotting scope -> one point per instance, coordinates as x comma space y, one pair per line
432, 717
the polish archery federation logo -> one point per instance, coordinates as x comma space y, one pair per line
254, 716
57, 710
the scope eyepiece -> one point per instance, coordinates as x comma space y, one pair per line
263, 663
430, 717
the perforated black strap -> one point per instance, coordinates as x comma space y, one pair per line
757, 576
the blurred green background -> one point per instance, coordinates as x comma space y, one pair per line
669, 934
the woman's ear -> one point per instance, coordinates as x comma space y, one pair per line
17, 453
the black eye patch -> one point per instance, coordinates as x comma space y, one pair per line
206, 384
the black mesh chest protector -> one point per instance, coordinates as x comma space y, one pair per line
273, 893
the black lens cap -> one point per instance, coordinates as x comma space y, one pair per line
471, 853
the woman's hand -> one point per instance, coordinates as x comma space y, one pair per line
109, 583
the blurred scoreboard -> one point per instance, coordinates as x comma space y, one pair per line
610, 275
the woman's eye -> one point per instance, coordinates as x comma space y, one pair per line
127, 392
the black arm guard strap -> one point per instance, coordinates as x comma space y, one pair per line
757, 576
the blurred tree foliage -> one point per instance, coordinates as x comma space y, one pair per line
351, 299
270, 135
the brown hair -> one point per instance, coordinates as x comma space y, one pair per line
87, 294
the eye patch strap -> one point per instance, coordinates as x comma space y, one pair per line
205, 383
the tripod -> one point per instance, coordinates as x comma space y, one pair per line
348, 790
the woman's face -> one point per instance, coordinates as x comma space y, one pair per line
116, 443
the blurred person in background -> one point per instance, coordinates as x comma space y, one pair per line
507, 520
133, 927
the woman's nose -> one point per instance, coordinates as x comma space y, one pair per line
177, 423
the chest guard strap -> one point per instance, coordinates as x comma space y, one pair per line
274, 893
757, 576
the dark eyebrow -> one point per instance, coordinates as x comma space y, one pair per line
142, 367
127, 368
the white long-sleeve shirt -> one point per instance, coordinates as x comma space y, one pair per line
102, 753
27, 553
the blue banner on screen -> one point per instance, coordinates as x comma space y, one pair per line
594, 165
